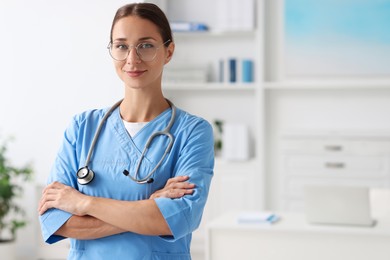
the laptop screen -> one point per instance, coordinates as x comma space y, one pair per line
338, 205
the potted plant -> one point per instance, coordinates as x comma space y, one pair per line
218, 130
11, 215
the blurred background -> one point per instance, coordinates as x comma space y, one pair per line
298, 92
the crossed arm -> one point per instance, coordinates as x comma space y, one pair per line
95, 217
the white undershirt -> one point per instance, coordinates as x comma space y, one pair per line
133, 128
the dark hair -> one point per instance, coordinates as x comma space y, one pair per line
149, 12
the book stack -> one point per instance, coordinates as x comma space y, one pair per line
233, 70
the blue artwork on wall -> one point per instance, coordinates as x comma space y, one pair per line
337, 38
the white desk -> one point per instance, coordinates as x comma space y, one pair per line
292, 238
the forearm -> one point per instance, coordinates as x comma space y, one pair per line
142, 217
87, 227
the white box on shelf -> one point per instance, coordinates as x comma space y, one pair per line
235, 142
235, 15
187, 74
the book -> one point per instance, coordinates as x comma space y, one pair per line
232, 70
247, 70
188, 27
258, 218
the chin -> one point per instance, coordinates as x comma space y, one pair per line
134, 86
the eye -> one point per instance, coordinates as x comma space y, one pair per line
120, 46
145, 45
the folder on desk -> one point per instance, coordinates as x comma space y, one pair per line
258, 218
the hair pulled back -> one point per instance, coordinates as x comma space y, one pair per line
149, 12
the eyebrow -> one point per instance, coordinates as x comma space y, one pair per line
140, 39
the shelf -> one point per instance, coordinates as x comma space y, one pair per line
321, 84
239, 166
213, 34
210, 86
223, 162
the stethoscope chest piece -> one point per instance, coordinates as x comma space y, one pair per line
85, 175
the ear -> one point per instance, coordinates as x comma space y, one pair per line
169, 52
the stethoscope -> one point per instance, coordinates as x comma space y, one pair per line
86, 175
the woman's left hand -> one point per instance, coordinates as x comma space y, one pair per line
60, 196
175, 187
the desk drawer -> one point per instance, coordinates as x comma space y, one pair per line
329, 159
336, 166
336, 146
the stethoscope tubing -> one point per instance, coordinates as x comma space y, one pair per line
87, 178
91, 149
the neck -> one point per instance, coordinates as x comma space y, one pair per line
137, 107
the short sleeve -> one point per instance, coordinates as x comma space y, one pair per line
196, 160
63, 171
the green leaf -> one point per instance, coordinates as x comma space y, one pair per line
11, 215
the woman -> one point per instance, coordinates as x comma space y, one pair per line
111, 216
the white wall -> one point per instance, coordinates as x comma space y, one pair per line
53, 64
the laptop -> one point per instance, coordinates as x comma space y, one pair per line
338, 205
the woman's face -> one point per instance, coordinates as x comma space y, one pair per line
128, 33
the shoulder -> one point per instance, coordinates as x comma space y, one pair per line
89, 116
85, 122
191, 119
190, 124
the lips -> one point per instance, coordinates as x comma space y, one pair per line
135, 73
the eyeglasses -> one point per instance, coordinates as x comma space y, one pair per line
146, 51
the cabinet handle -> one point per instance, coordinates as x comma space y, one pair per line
333, 148
335, 165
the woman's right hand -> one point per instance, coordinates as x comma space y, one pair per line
63, 197
175, 187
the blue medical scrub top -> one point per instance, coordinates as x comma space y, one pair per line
192, 154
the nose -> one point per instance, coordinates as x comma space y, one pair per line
133, 56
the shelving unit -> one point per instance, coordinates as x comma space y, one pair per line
330, 84
215, 34
232, 187
225, 87
229, 102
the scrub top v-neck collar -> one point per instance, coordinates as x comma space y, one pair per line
138, 141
